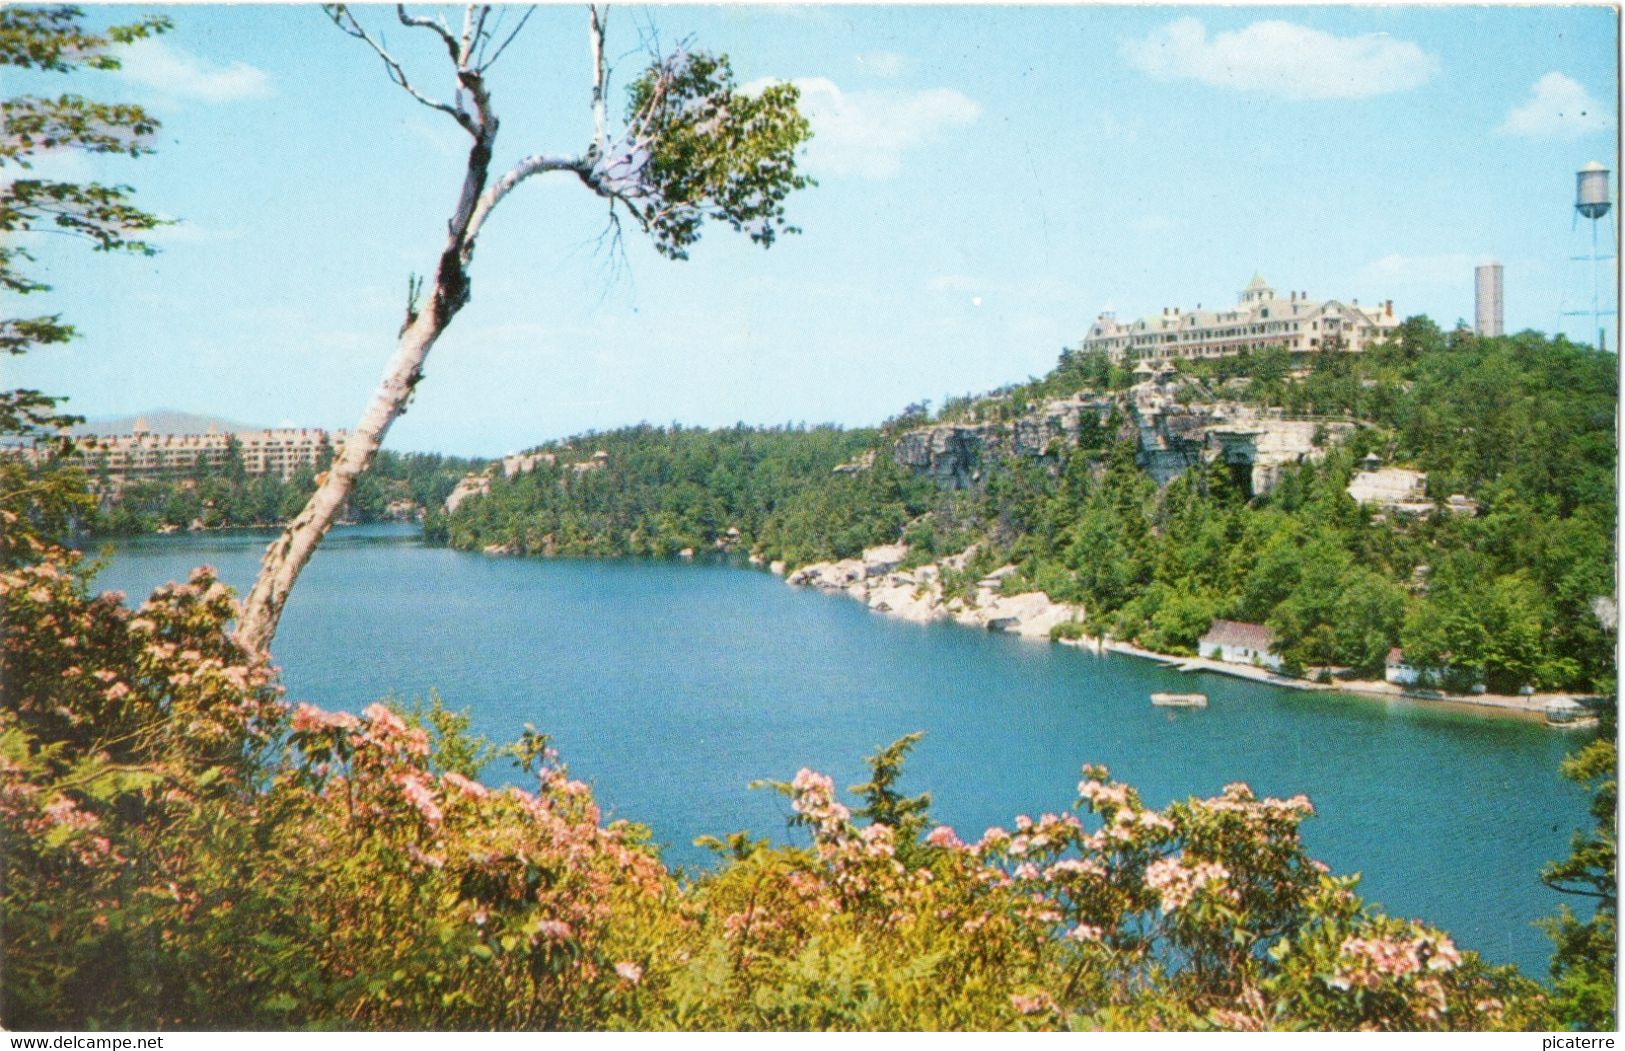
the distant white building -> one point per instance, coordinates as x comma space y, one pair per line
1237, 642
1402, 673
1260, 319
1396, 671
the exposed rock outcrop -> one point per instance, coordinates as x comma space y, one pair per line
917, 594
469, 486
524, 463
1173, 435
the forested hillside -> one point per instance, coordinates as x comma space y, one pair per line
656, 490
1518, 593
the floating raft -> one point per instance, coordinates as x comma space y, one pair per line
1179, 700
1565, 711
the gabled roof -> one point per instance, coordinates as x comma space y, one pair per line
1239, 633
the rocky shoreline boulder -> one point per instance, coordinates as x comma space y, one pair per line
916, 595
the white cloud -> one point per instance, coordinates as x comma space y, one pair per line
178, 74
882, 63
1282, 58
1442, 270
866, 133
1558, 108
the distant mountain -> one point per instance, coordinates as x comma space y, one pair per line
165, 421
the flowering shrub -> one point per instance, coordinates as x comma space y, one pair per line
184, 849
1207, 914
118, 730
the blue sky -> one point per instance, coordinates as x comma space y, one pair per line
990, 178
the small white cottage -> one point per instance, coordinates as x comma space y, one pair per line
1397, 671
1237, 642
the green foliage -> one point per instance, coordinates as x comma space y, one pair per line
53, 39
452, 747
883, 804
1585, 965
714, 152
1069, 630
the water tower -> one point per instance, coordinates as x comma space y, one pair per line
1593, 202
1591, 191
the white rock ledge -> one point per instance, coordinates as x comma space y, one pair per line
916, 594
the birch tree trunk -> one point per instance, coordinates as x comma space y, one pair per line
728, 156
289, 553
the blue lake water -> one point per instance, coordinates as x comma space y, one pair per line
670, 686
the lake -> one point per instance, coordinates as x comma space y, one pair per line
670, 686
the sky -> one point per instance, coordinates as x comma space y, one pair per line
989, 180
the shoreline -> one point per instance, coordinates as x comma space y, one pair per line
876, 580
1527, 708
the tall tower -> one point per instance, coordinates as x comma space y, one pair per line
1488, 316
1592, 202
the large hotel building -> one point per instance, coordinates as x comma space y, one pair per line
143, 455
1259, 319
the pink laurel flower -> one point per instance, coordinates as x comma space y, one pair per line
418, 794
1031, 1004
553, 930
307, 718
472, 789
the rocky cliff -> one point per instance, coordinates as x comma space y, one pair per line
1173, 435
955, 453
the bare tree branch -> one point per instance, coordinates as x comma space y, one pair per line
473, 26
485, 65
596, 42
437, 27
532, 165
345, 20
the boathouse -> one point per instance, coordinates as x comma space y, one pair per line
1396, 671
1237, 642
